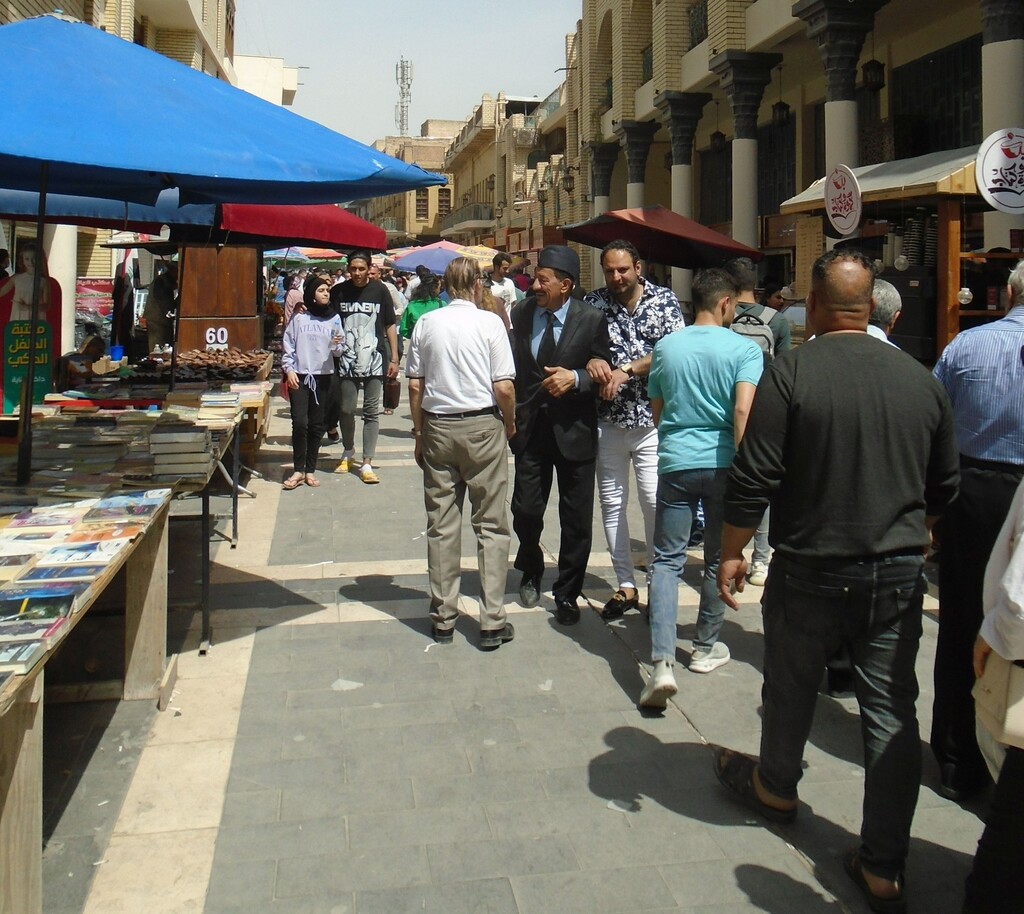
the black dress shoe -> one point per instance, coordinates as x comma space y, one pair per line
489, 640
529, 590
443, 635
957, 785
566, 613
616, 607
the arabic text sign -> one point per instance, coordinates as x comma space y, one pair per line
17, 345
842, 200
999, 170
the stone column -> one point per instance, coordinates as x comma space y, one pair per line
839, 28
635, 137
681, 112
744, 76
603, 157
1002, 67
61, 245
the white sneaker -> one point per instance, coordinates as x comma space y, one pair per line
758, 574
706, 661
660, 687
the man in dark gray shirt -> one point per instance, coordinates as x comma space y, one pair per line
829, 420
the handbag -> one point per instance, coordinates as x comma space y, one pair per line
392, 393
999, 700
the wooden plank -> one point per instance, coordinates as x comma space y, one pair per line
21, 803
73, 693
947, 273
146, 613
167, 683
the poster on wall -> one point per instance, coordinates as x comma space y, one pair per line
999, 170
17, 352
842, 200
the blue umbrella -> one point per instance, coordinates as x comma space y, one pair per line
64, 105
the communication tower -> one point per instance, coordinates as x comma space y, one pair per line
403, 76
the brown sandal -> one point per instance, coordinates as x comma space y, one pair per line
292, 482
735, 772
311, 480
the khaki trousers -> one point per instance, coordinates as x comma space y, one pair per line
463, 456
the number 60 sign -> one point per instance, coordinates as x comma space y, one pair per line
216, 337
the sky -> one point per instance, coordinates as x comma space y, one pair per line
459, 51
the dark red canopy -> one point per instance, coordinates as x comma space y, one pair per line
325, 225
661, 236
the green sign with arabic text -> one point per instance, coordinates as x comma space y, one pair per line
17, 344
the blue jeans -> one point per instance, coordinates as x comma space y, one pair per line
678, 494
873, 608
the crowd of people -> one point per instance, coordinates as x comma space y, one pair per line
836, 458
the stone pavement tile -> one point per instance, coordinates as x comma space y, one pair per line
307, 613
69, 866
432, 790
242, 882
343, 903
468, 861
270, 714
344, 692
292, 680
176, 867
228, 655
556, 816
634, 889
621, 781
177, 787
87, 810
515, 707
326, 800
274, 840
396, 715
363, 769
781, 882
491, 895
199, 709
418, 826
310, 773
313, 736
256, 748
682, 842
355, 870
251, 807
495, 761
487, 732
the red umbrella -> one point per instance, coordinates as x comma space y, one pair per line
661, 236
317, 225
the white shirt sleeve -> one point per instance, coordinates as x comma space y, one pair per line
1003, 627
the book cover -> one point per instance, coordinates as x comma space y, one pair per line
98, 533
20, 656
45, 630
99, 552
38, 601
61, 573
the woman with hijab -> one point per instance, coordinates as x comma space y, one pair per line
313, 338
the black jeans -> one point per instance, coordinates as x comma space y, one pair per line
873, 608
534, 470
309, 403
967, 534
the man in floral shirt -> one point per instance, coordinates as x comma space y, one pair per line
639, 314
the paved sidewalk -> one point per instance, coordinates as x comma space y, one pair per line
327, 757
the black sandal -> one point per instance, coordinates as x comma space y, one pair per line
735, 772
855, 870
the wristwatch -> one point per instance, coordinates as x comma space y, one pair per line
627, 369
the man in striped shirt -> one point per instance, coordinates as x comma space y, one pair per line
983, 373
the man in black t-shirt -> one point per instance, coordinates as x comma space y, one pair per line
857, 476
371, 355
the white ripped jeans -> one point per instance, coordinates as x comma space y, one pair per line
616, 449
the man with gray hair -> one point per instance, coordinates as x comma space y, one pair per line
982, 370
888, 306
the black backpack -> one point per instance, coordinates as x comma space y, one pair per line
757, 329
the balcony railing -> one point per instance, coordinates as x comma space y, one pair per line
389, 224
471, 212
698, 22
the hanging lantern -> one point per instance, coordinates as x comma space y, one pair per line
780, 114
717, 141
874, 75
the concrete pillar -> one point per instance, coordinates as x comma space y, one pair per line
1002, 65
636, 137
681, 112
61, 245
744, 76
603, 157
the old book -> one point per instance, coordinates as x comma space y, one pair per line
45, 630
47, 573
46, 600
97, 533
94, 553
20, 656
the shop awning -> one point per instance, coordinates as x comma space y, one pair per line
950, 172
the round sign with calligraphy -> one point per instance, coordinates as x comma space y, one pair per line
999, 170
842, 200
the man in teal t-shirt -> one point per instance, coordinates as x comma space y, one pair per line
701, 386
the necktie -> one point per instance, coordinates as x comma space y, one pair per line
546, 349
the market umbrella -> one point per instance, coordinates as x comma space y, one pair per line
661, 236
64, 106
436, 257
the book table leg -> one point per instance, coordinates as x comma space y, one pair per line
145, 647
21, 802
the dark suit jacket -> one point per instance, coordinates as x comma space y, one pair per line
573, 416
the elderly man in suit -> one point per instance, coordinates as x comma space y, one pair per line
554, 336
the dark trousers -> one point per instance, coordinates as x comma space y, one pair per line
996, 883
309, 403
968, 532
534, 469
873, 608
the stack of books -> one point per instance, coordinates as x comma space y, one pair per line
219, 408
180, 449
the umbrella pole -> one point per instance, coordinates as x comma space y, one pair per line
177, 318
25, 417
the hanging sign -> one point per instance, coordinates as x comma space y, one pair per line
842, 200
999, 170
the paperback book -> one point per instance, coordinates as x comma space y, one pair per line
20, 656
45, 630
